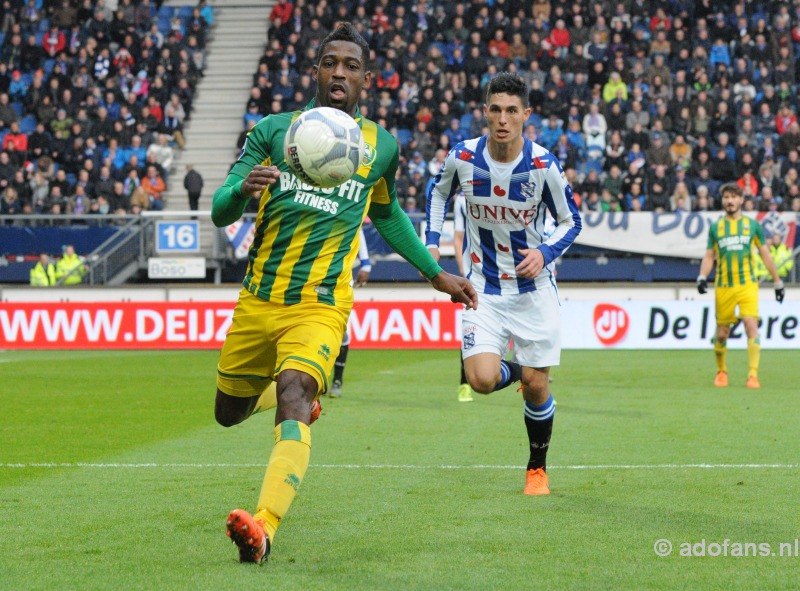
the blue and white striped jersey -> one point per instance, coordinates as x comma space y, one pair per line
506, 206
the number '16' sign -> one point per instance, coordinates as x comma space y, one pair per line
177, 237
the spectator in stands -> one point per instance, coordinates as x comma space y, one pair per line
193, 183
154, 186
162, 151
10, 203
15, 139
7, 113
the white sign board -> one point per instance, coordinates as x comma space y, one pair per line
670, 324
179, 268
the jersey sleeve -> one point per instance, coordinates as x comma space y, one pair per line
557, 196
228, 203
363, 251
442, 189
460, 214
758, 235
712, 238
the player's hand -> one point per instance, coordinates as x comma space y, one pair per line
361, 278
259, 179
702, 284
532, 264
460, 290
780, 292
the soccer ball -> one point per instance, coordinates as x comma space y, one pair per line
324, 147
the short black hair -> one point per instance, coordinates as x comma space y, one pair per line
346, 32
508, 83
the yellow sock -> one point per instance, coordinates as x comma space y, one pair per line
753, 356
267, 400
721, 351
287, 466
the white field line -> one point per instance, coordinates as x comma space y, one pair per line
33, 465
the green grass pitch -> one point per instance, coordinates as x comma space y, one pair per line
114, 475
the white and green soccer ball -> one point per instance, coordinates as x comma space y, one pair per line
324, 147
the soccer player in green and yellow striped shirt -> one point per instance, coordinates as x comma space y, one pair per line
291, 314
731, 242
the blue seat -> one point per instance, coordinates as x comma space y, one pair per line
185, 12
164, 25
2, 39
404, 136
466, 121
28, 124
44, 25
48, 66
166, 12
18, 107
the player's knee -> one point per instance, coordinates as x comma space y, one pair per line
482, 385
228, 417
230, 411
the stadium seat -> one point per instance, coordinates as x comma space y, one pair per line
185, 12
48, 65
18, 107
166, 12
44, 25
2, 39
28, 124
466, 121
164, 25
404, 136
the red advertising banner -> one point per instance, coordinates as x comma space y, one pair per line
203, 325
115, 325
407, 325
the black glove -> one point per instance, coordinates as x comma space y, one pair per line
702, 284
780, 292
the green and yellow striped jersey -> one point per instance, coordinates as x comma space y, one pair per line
306, 238
733, 242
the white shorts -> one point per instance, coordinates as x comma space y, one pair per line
531, 320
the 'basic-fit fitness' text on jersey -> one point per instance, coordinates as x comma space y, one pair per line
733, 242
506, 206
306, 238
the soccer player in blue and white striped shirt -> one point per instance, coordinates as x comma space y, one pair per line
509, 183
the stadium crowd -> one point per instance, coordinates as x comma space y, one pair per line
648, 104
93, 97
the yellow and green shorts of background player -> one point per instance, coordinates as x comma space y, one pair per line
727, 299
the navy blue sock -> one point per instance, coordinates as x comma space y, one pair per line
510, 372
539, 422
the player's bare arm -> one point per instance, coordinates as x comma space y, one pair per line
780, 290
459, 289
705, 268
532, 264
259, 179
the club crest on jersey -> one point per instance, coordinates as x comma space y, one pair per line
528, 190
465, 155
370, 154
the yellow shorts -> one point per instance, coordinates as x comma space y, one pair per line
266, 338
727, 298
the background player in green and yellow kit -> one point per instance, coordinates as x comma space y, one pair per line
731, 241
291, 314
